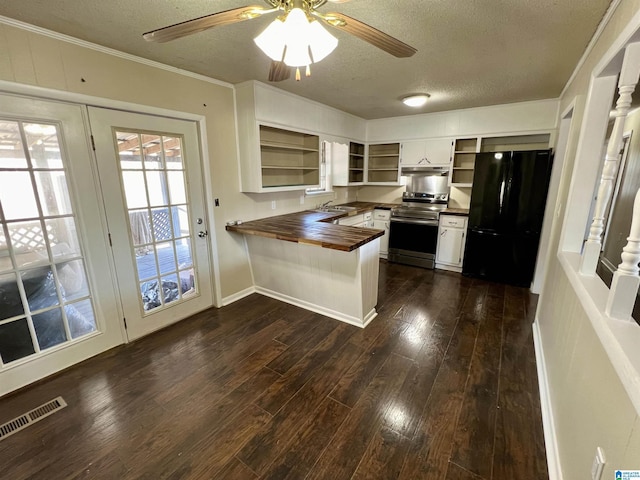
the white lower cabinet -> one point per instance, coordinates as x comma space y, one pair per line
362, 220
381, 222
378, 219
352, 221
452, 232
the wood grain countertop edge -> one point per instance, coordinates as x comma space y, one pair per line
302, 227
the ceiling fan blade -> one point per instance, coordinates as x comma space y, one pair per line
279, 71
200, 24
369, 34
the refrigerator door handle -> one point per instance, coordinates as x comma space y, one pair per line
485, 232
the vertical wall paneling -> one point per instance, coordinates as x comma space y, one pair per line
341, 285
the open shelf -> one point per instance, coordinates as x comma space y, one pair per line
288, 158
286, 167
515, 143
279, 146
465, 149
384, 163
464, 158
356, 163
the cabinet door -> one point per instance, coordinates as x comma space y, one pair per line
431, 152
438, 151
384, 240
450, 244
413, 153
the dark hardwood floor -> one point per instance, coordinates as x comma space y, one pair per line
441, 385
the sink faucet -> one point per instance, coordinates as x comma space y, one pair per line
326, 204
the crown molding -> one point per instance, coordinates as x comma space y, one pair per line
109, 51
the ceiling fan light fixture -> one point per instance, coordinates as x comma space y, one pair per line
417, 100
291, 40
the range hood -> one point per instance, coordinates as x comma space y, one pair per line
424, 170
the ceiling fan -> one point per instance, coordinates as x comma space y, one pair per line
293, 39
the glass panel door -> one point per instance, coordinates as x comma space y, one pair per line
45, 294
53, 311
153, 175
150, 166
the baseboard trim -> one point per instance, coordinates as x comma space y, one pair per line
550, 438
351, 320
449, 268
238, 296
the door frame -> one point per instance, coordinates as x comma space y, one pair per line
201, 125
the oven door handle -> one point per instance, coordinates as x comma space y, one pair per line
415, 221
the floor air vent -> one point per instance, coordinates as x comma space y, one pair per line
31, 417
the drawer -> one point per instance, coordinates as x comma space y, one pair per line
454, 221
368, 215
381, 214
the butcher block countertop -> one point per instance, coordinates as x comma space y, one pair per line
315, 228
455, 211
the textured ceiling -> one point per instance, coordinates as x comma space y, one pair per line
470, 52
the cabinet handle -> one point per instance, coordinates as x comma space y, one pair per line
443, 233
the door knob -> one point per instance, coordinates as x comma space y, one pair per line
203, 234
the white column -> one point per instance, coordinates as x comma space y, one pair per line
626, 85
624, 286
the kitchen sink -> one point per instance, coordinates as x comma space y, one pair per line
336, 208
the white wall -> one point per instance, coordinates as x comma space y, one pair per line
514, 118
589, 404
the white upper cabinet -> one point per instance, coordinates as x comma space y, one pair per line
434, 152
278, 137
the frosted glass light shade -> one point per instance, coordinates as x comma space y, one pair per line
272, 40
297, 55
416, 100
322, 43
294, 37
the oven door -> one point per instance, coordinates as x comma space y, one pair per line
413, 241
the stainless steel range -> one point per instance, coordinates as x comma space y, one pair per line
413, 233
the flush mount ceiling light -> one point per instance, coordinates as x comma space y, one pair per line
416, 100
293, 40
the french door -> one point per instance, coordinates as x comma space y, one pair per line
58, 305
151, 176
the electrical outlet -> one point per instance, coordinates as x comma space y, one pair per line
598, 464
273, 204
301, 199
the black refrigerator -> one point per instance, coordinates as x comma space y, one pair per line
508, 197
